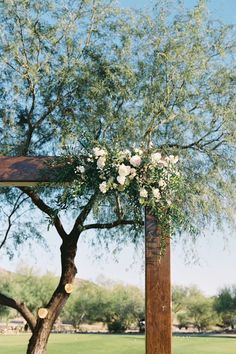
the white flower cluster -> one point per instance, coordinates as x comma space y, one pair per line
151, 173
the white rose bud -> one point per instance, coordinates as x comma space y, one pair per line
138, 151
80, 169
135, 160
143, 193
101, 162
99, 152
121, 180
162, 183
103, 187
173, 159
133, 173
156, 193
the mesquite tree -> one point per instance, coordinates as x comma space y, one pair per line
78, 75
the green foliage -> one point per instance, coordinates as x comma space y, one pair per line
225, 305
119, 306
27, 287
179, 298
86, 305
192, 308
126, 308
75, 75
6, 287
31, 288
201, 312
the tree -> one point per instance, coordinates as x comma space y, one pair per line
6, 287
118, 306
191, 307
179, 298
88, 305
200, 310
183, 320
33, 289
125, 308
225, 305
82, 74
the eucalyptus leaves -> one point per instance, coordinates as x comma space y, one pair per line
145, 174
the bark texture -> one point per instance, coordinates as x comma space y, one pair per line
39, 339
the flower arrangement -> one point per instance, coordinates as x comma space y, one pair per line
148, 174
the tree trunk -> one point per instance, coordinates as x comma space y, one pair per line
39, 339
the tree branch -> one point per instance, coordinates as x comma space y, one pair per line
112, 224
84, 213
47, 210
21, 308
200, 143
16, 206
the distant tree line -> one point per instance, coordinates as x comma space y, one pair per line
120, 307
192, 309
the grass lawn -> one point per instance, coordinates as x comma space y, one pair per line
108, 344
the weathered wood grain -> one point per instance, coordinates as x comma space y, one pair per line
21, 171
158, 291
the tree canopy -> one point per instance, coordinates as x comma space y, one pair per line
225, 305
78, 75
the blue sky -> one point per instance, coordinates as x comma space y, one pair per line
216, 252
222, 9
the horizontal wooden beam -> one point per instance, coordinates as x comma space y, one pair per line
24, 171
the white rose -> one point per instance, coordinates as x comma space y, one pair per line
103, 187
162, 183
124, 170
80, 169
132, 173
135, 160
143, 193
156, 193
155, 157
121, 180
99, 152
101, 162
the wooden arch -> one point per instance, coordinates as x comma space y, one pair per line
27, 171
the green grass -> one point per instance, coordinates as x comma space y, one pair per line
206, 345
108, 344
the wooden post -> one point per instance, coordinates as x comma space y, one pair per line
158, 291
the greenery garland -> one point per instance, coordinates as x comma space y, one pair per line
138, 177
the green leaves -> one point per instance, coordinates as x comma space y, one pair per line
225, 305
119, 306
75, 75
